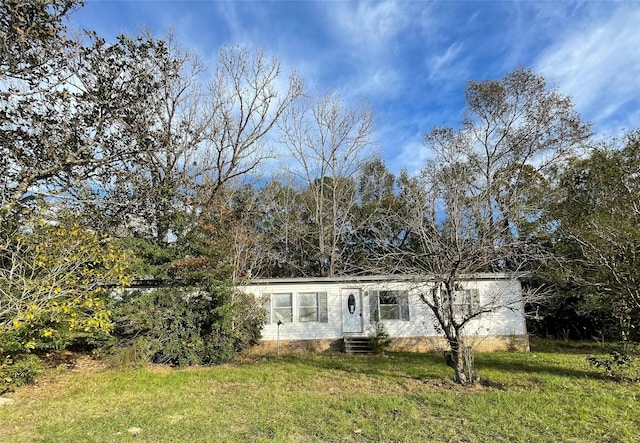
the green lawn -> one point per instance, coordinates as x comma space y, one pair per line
527, 397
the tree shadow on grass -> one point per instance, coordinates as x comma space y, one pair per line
540, 368
571, 347
392, 365
431, 366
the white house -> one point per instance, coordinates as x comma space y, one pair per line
319, 313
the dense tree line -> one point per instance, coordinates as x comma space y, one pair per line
149, 162
593, 228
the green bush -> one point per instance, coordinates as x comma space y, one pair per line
620, 362
379, 338
10, 343
127, 354
18, 372
186, 325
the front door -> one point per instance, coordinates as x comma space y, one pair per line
351, 310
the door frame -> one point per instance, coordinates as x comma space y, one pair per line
352, 323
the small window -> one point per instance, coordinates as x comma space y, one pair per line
312, 306
308, 306
281, 304
465, 301
389, 305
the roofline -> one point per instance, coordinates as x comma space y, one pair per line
388, 278
381, 278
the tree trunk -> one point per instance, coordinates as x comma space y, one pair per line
457, 362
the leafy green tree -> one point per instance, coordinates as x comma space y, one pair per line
54, 282
31, 32
476, 203
375, 221
186, 325
146, 197
598, 233
70, 113
122, 134
227, 240
287, 233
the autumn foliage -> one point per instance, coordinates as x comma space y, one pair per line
54, 281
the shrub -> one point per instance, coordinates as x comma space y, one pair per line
619, 363
52, 293
379, 338
187, 325
127, 354
18, 372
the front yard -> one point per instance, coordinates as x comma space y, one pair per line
546, 395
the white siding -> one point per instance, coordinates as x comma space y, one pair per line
303, 330
503, 321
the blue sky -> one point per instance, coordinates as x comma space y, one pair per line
410, 60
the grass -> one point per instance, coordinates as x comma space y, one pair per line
546, 395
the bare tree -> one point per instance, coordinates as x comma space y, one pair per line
198, 138
471, 199
328, 143
246, 98
245, 104
446, 246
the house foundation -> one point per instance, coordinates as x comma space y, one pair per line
487, 343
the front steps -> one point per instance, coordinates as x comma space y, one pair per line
357, 345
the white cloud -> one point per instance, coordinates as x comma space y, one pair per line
373, 60
369, 25
410, 155
598, 64
237, 31
377, 83
441, 66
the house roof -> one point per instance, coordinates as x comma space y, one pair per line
378, 278
348, 279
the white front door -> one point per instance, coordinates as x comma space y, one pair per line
351, 310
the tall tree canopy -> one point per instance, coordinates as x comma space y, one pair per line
479, 197
597, 219
328, 142
69, 110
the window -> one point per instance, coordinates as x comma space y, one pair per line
465, 301
389, 305
280, 304
310, 307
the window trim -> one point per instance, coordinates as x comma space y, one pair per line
287, 319
301, 306
322, 309
402, 298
